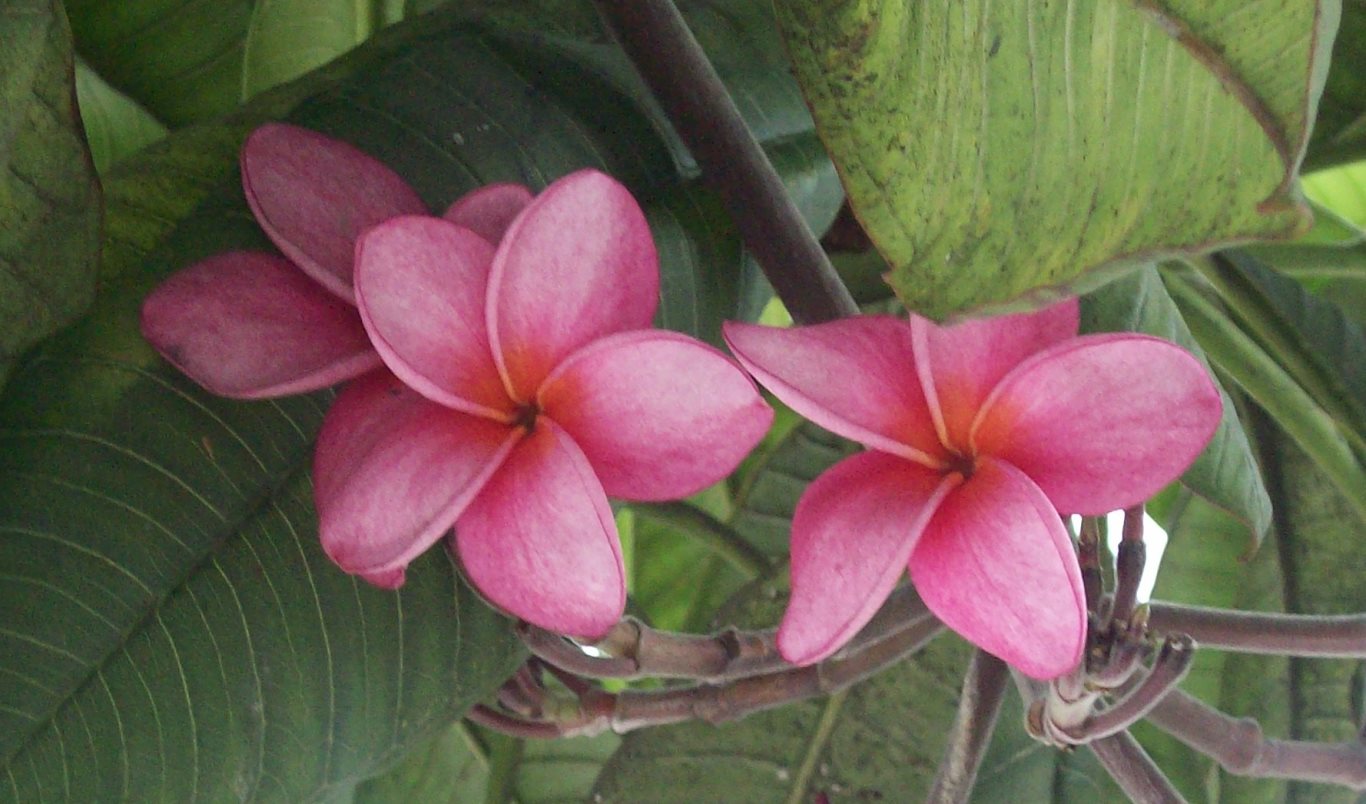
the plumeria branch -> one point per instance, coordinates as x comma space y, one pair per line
1134, 771
1239, 746
978, 707
1129, 562
1171, 665
635, 650
594, 710
1332, 637
666, 55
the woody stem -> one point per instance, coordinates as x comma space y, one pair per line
1334, 637
656, 38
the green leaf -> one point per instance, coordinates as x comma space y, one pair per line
1226, 472
1341, 189
1242, 359
287, 38
1323, 564
49, 196
115, 126
1340, 129
998, 155
1206, 563
1309, 336
455, 768
180, 59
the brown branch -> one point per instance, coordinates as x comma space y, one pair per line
666, 55
1129, 561
1332, 637
1240, 747
1134, 771
635, 650
979, 705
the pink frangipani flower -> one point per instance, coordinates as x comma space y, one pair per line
979, 434
525, 389
253, 325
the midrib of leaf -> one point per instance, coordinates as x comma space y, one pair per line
820, 738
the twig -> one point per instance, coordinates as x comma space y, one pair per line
1309, 635
1133, 770
1170, 666
1129, 562
983, 688
666, 55
635, 650
1239, 746
1088, 555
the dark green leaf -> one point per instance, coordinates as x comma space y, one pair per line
181, 59
115, 126
1340, 128
49, 197
1226, 472
978, 142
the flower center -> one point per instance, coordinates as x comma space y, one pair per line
964, 465
525, 416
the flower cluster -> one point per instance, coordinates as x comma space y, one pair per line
503, 381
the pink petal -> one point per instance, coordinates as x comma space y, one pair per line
959, 365
540, 541
314, 195
489, 210
853, 532
996, 565
420, 283
855, 377
659, 415
251, 325
577, 264
1101, 422
392, 471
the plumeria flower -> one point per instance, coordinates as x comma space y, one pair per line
979, 435
525, 389
252, 325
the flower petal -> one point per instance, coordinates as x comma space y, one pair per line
577, 264
997, 566
959, 365
855, 377
658, 414
314, 195
540, 541
392, 471
489, 210
250, 325
852, 534
1102, 422
420, 285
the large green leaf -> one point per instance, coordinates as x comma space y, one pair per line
993, 151
1226, 472
1323, 565
49, 197
1340, 130
287, 38
115, 126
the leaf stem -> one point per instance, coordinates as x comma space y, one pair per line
656, 38
829, 717
1131, 767
978, 707
1308, 635
1239, 746
710, 532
